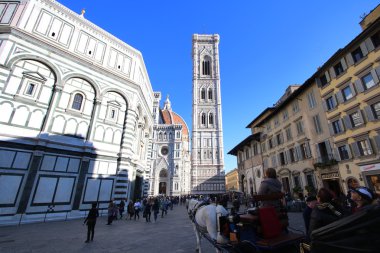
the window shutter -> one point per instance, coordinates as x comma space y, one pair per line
324, 104
349, 151
327, 74
378, 72
347, 122
339, 96
359, 86
335, 101
352, 89
350, 60
328, 147
377, 141
287, 156
336, 154
308, 151
331, 129
374, 75
361, 116
364, 49
332, 73
343, 62
355, 148
369, 44
318, 82
298, 153
369, 113
341, 125
318, 152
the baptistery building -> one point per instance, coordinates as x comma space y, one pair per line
76, 108
170, 164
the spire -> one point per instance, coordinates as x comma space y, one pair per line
167, 105
82, 13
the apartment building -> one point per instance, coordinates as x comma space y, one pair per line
349, 87
232, 180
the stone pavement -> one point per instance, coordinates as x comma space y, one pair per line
173, 233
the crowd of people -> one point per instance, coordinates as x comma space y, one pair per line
157, 205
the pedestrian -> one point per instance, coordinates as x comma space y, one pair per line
236, 204
270, 185
121, 208
91, 222
148, 210
115, 211
350, 205
156, 208
162, 207
110, 213
137, 207
130, 210
363, 198
311, 202
325, 212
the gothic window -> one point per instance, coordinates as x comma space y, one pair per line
210, 94
206, 68
170, 136
203, 93
203, 119
77, 102
160, 136
165, 136
211, 119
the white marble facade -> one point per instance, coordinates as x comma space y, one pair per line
170, 164
76, 109
207, 161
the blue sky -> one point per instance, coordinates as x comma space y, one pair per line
264, 46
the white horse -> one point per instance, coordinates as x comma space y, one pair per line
207, 219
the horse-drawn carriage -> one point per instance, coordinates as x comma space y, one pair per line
259, 229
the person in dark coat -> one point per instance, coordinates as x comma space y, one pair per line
148, 210
93, 214
325, 212
121, 208
270, 185
111, 212
311, 202
131, 210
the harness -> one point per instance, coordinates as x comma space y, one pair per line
194, 211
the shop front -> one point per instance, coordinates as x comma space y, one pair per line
371, 175
331, 180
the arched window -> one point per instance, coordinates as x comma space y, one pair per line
163, 173
211, 119
77, 102
203, 93
203, 120
210, 94
160, 136
206, 68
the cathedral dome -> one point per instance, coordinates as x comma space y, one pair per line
169, 117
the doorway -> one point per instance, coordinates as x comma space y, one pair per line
162, 188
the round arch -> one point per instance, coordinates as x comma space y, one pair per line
24, 57
86, 78
120, 92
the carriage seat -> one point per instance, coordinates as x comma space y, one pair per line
280, 240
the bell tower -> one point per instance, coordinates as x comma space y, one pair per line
207, 173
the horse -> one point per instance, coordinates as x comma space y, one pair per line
205, 219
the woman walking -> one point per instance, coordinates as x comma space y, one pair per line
130, 210
91, 222
156, 208
148, 210
111, 211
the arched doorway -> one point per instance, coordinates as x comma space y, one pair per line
162, 186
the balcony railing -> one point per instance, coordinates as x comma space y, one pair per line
325, 161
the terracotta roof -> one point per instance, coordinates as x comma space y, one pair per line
170, 117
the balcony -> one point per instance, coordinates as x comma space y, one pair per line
324, 161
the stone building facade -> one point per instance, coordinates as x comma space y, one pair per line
326, 132
76, 114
